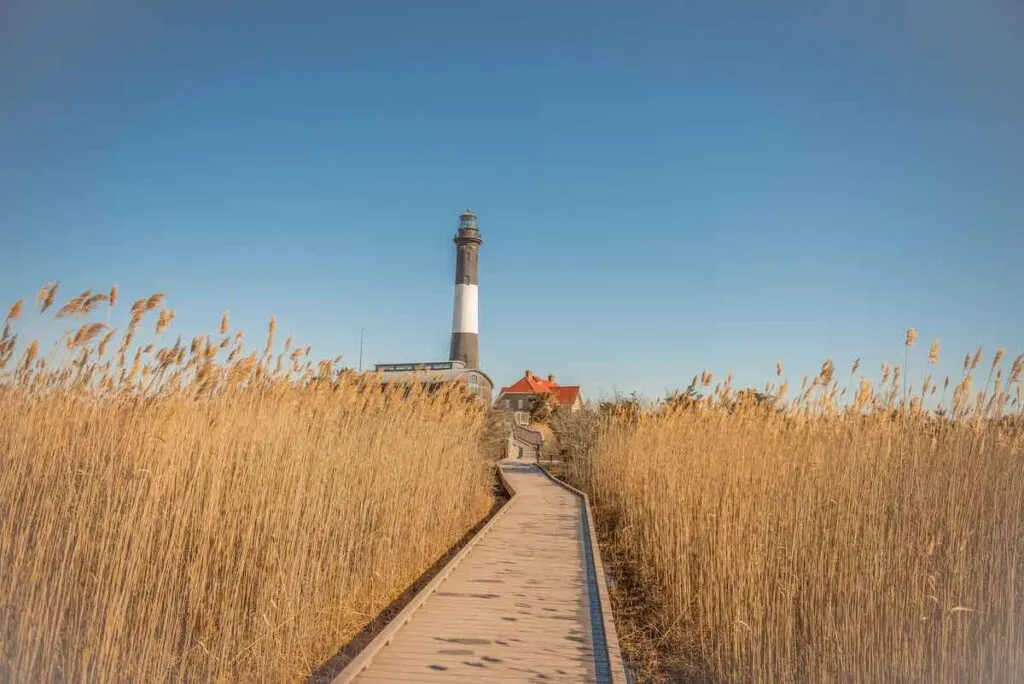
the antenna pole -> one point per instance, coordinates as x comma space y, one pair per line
362, 333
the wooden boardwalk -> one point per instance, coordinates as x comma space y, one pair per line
526, 603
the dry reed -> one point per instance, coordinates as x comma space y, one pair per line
172, 516
874, 541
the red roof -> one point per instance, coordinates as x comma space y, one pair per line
534, 384
566, 395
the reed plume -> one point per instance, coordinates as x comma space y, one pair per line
31, 352
46, 295
864, 393
271, 327
164, 319
1018, 365
101, 350
76, 306
85, 334
15, 310
911, 337
90, 304
826, 373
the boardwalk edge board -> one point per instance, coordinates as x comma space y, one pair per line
616, 664
358, 664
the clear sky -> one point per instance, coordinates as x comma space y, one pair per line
662, 187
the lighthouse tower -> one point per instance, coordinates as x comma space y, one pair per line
465, 325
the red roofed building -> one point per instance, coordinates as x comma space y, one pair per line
523, 394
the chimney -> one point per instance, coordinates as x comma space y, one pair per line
551, 378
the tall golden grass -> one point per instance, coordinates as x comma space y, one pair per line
873, 541
200, 512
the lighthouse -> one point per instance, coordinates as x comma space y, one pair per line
465, 323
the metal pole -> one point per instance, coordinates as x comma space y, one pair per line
362, 332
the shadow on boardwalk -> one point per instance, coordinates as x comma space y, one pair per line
330, 669
525, 605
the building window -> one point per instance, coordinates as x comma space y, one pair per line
519, 404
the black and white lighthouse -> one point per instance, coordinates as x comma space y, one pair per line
465, 322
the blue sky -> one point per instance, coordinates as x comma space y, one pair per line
662, 187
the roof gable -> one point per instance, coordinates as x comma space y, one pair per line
533, 384
529, 384
567, 394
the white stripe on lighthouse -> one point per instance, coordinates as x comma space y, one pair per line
465, 319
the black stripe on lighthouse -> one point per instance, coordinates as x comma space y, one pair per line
465, 322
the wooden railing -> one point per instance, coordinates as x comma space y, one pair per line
525, 434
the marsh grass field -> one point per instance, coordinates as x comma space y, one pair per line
207, 511
199, 511
871, 540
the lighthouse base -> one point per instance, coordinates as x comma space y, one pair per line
466, 348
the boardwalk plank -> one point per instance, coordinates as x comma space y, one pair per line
519, 606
